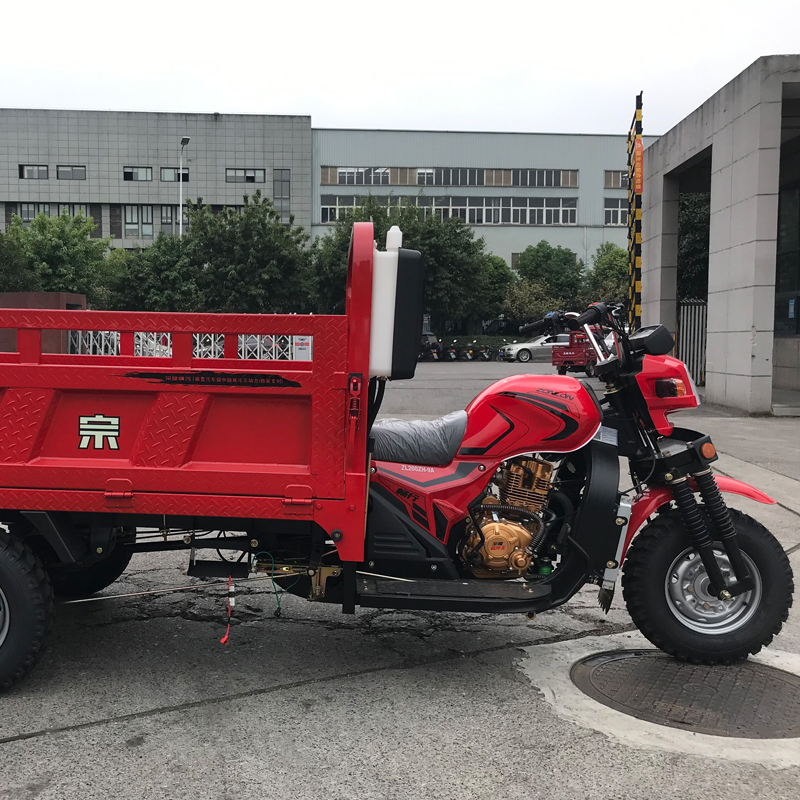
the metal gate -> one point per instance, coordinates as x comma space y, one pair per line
691, 337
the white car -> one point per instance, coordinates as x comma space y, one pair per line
538, 348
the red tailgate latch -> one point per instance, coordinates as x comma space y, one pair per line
354, 382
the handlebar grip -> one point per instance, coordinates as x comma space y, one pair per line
532, 326
592, 316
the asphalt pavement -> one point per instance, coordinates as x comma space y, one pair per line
137, 698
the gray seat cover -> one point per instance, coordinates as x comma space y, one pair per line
419, 442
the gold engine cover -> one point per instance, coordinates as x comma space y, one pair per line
503, 549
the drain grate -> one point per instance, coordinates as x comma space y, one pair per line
749, 701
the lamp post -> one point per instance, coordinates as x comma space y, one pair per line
184, 142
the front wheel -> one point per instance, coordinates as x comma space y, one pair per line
589, 370
524, 356
26, 609
666, 590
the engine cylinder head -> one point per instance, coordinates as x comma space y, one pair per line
527, 482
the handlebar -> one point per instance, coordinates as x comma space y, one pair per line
533, 327
592, 316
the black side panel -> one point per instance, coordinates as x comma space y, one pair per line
594, 537
396, 545
408, 308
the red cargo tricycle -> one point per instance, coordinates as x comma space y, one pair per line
577, 355
258, 434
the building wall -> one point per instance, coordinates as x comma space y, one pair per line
740, 128
107, 141
590, 155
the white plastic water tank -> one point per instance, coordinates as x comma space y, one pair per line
384, 293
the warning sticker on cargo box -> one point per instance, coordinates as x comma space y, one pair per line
206, 378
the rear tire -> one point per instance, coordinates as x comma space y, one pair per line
562, 370
589, 370
26, 610
94, 578
703, 630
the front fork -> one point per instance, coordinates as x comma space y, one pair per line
700, 536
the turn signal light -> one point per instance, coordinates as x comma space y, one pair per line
670, 387
708, 451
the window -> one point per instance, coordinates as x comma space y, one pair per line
244, 175
616, 179
555, 178
616, 211
281, 193
166, 219
147, 220
131, 222
170, 174
137, 173
29, 211
70, 173
425, 177
73, 209
473, 210
33, 172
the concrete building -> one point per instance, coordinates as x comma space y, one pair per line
514, 188
742, 145
122, 169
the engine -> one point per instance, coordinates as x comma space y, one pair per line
510, 526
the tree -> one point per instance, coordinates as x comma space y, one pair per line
496, 278
694, 216
156, 278
55, 254
456, 269
526, 301
557, 269
245, 263
248, 262
607, 280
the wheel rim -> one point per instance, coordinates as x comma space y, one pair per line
4, 618
524, 355
690, 600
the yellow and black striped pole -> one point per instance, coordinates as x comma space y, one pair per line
635, 186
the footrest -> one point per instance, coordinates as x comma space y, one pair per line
218, 569
480, 596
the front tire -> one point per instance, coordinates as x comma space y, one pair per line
589, 370
26, 610
524, 356
665, 590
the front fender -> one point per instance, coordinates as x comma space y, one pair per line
656, 497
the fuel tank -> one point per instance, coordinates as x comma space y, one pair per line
530, 413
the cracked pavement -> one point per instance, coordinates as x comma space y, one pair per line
137, 698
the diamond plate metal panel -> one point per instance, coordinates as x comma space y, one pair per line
22, 414
168, 430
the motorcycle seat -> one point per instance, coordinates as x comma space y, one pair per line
417, 441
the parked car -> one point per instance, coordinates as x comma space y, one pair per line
538, 348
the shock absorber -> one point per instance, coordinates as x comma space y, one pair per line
723, 527
698, 533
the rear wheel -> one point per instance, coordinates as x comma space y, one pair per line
26, 610
589, 370
562, 370
524, 355
666, 590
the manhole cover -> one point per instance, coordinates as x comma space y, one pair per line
749, 701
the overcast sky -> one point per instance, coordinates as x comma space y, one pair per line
565, 66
